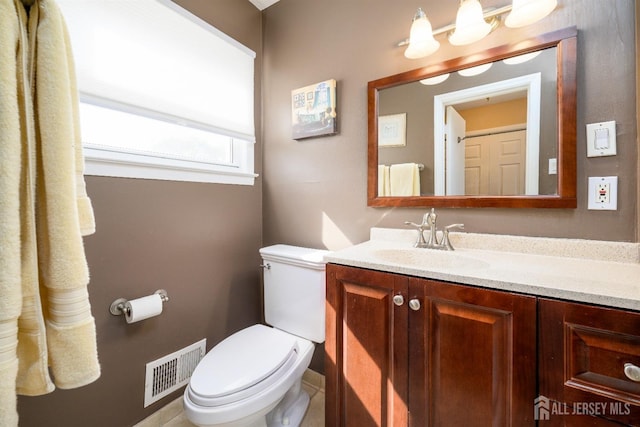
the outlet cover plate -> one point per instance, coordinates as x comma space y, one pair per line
599, 201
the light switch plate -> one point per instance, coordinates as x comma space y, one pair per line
601, 139
603, 193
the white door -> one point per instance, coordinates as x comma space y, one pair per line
495, 164
455, 153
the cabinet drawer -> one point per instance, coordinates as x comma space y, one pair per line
583, 353
596, 359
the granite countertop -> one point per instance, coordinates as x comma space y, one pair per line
597, 272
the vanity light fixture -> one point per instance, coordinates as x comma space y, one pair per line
472, 24
421, 41
474, 71
435, 80
525, 12
520, 59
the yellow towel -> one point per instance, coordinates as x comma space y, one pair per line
45, 316
71, 342
383, 181
404, 179
11, 69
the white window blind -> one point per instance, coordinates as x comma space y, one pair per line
156, 81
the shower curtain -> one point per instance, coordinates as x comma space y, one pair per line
47, 332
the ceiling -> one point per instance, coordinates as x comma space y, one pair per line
263, 4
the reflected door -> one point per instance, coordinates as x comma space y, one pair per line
455, 153
495, 164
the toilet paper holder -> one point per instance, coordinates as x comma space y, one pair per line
118, 307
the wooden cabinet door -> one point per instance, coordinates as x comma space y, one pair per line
366, 348
472, 356
583, 350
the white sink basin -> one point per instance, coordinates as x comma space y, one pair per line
429, 258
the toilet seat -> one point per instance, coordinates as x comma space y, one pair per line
242, 365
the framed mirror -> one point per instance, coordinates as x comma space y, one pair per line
494, 129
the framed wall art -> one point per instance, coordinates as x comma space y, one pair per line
313, 110
392, 130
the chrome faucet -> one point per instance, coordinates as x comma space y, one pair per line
429, 221
421, 242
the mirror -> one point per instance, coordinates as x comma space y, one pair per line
490, 139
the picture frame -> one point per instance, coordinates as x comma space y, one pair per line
392, 130
313, 110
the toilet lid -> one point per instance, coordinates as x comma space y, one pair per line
241, 361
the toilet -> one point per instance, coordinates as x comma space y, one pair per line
254, 377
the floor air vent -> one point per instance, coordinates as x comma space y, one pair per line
171, 372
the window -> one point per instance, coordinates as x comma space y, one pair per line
157, 103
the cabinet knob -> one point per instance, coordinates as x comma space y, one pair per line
414, 304
632, 372
398, 300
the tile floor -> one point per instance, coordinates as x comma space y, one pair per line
172, 415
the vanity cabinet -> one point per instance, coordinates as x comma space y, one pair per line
472, 356
405, 351
583, 351
366, 348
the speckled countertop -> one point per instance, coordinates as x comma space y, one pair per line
598, 272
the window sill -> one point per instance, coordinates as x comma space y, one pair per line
101, 162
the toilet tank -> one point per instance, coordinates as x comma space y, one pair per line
294, 290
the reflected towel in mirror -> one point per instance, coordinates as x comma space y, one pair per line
383, 181
404, 179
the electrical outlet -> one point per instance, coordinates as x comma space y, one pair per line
603, 193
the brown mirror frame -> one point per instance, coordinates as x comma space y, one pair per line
566, 42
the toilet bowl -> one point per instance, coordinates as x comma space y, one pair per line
253, 377
256, 367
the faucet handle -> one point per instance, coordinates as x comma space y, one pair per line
420, 242
413, 224
446, 243
452, 226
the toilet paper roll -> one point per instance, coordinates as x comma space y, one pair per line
143, 308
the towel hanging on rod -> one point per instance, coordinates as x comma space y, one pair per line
44, 277
404, 179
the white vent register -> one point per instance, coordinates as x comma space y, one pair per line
171, 372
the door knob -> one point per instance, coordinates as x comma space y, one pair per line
398, 300
632, 372
414, 304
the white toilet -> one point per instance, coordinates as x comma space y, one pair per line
254, 377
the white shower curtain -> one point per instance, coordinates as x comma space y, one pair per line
47, 332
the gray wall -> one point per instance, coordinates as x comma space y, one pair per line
315, 190
198, 241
